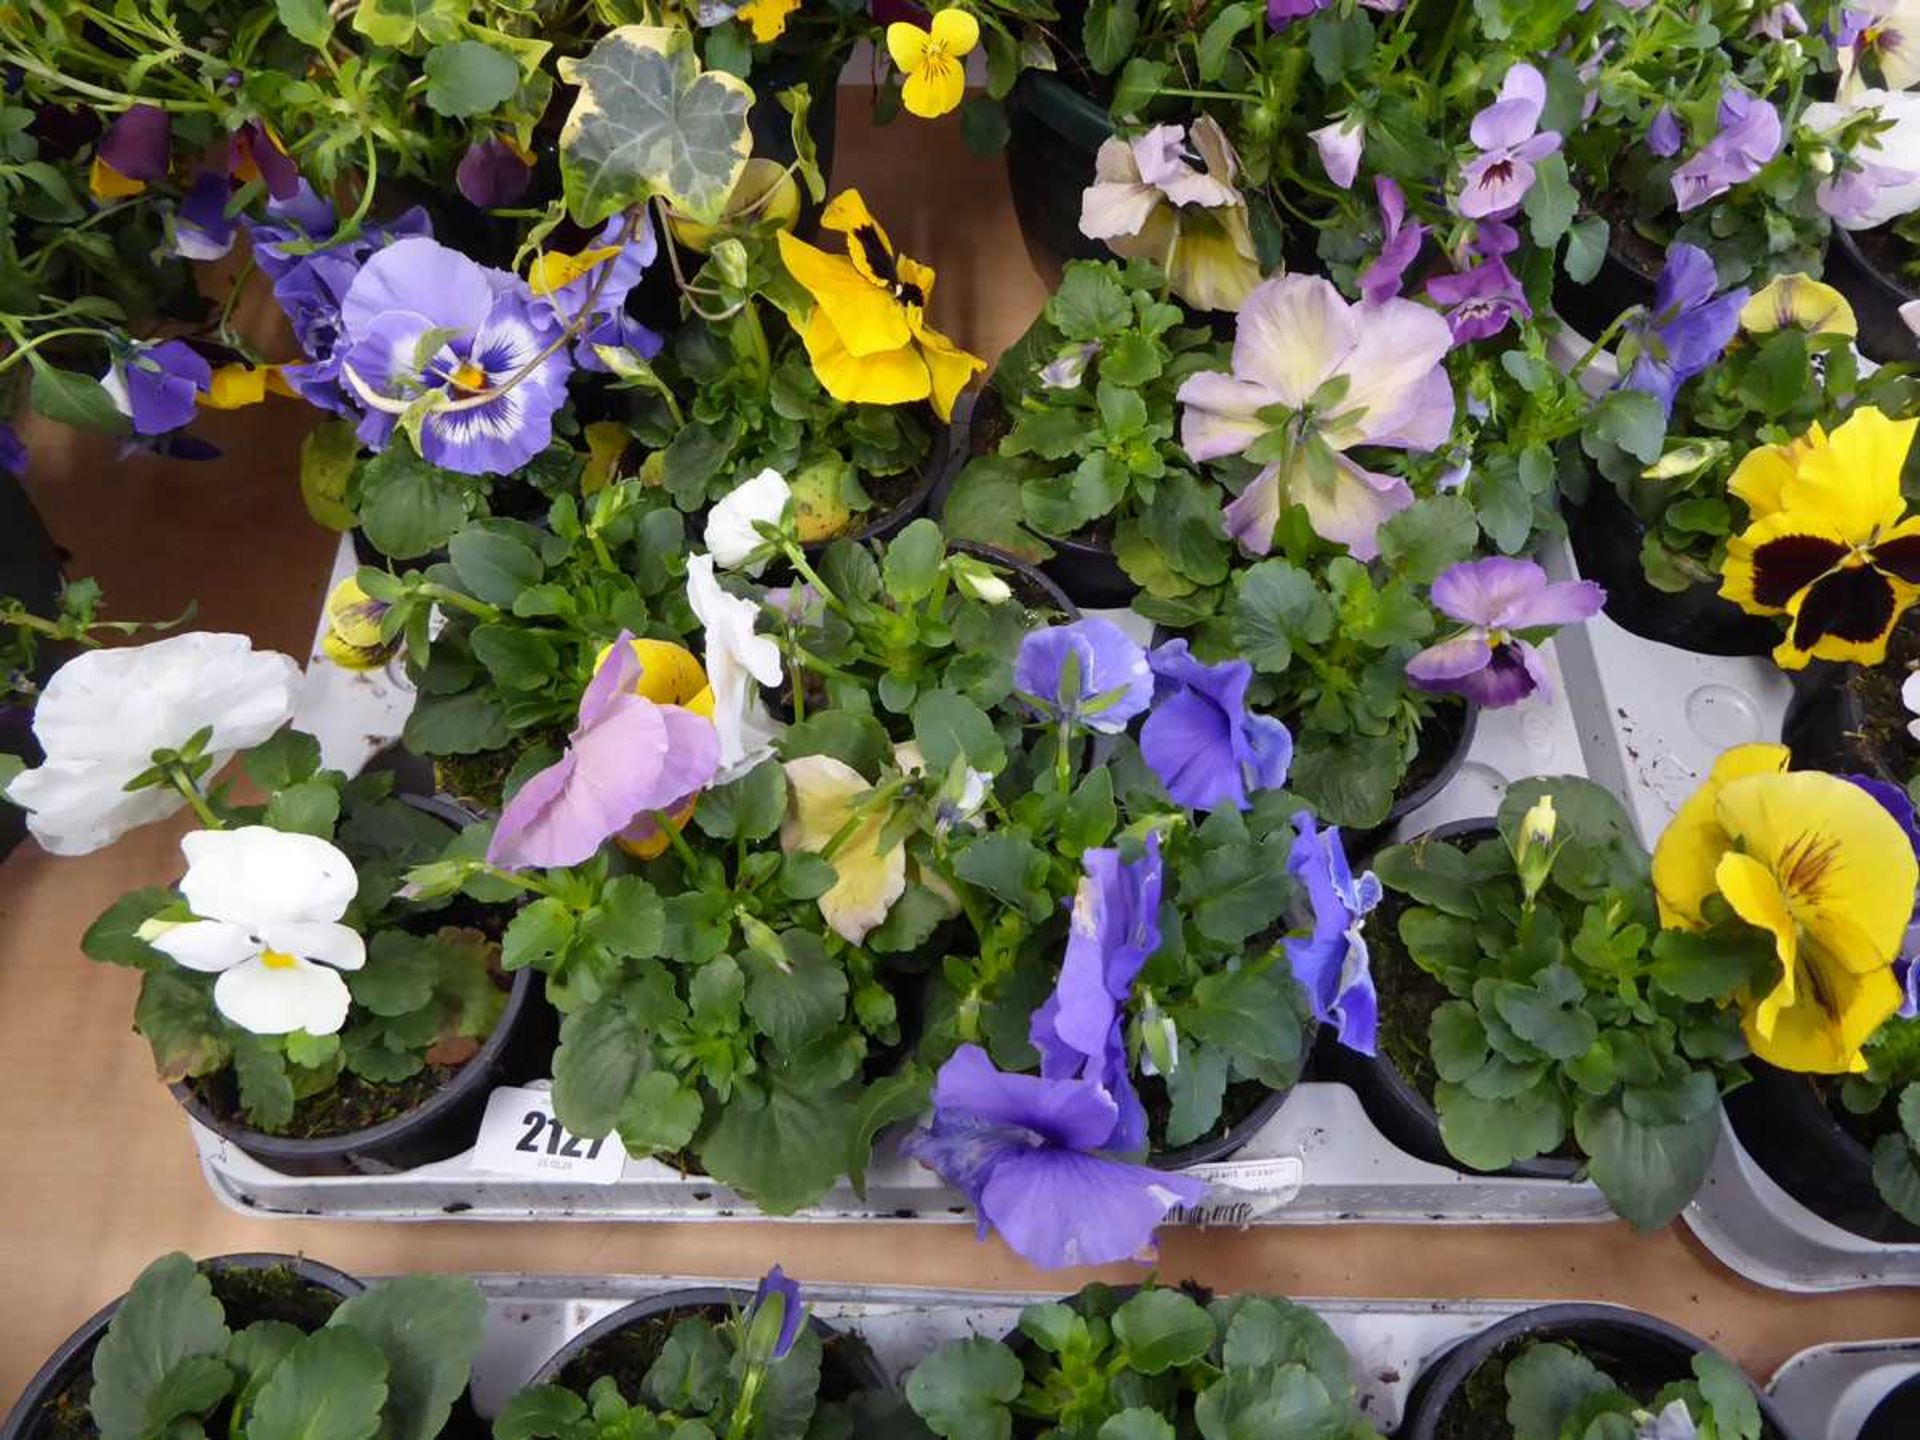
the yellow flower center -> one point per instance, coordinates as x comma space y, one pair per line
468, 376
278, 960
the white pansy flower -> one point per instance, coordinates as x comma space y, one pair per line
105, 712
1910, 696
730, 533
1675, 1422
735, 659
267, 905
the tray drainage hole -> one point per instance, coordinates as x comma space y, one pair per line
1723, 716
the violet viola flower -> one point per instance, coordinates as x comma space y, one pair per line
158, 387
1339, 145
1687, 329
776, 1289
1207, 748
1777, 22
494, 172
1079, 1031
200, 227
1663, 135
1495, 598
490, 330
1331, 964
1088, 673
1032, 1155
137, 144
1338, 376
1906, 969
1399, 245
1479, 302
1510, 140
627, 758
254, 153
13, 452
1749, 136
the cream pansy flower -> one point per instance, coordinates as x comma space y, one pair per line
105, 712
823, 794
266, 905
736, 658
730, 533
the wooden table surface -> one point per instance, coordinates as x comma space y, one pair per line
97, 1175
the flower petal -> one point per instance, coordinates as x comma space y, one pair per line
866, 317
317, 940
1440, 665
1220, 414
256, 875
1690, 847
1293, 332
822, 797
955, 30
1078, 1113
282, 997
1353, 508
1059, 1207
207, 945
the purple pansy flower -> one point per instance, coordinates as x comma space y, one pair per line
1339, 145
493, 173
775, 1286
1207, 748
1399, 245
490, 329
1331, 964
1031, 1155
1663, 135
1079, 1032
13, 452
1510, 141
1479, 302
158, 386
611, 325
1687, 328
1495, 598
1282, 13
201, 229
1906, 969
1107, 666
137, 143
1749, 136
627, 758
253, 150
1777, 22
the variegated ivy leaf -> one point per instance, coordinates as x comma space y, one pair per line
649, 121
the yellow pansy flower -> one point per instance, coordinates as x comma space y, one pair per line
236, 386
931, 61
1798, 302
1820, 865
823, 794
767, 17
554, 270
867, 334
107, 183
1831, 546
353, 638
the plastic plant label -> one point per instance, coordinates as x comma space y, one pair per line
520, 1137
1241, 1191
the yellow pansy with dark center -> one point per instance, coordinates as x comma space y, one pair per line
1831, 546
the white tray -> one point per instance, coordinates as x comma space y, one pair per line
1829, 1391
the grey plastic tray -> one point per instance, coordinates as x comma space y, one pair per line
1827, 1392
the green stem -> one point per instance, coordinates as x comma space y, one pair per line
178, 778
798, 559
678, 841
479, 608
27, 347
1606, 339
513, 877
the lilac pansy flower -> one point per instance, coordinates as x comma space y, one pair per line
494, 172
1777, 22
1339, 145
1331, 964
1906, 969
200, 228
1202, 741
158, 387
1479, 302
1282, 13
1687, 329
1878, 178
1749, 136
1510, 140
1399, 245
1494, 599
490, 330
610, 325
1080, 1030
1338, 376
1674, 1422
1088, 673
627, 758
1663, 135
1033, 1156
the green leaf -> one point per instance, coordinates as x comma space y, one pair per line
1135, 1423
540, 932
984, 506
648, 122
469, 78
631, 921
1548, 1013
984, 125
429, 1328
1241, 895
330, 452
1586, 249
1896, 1175
1266, 1331
1162, 1330
1551, 201
962, 1390
750, 808
800, 1001
308, 21
690, 1370
1108, 32
1429, 536
169, 1316
493, 567
1491, 1134
1274, 1401
1276, 610
1699, 967
1633, 421
1090, 815
175, 1016
285, 758
1010, 867
1216, 45
856, 740
408, 507
594, 1068
659, 1114
1546, 1386
309, 808
912, 563
951, 727
540, 1412
1729, 1394
266, 1091
785, 1153
1457, 1040
1647, 1172
889, 1100
76, 400
399, 975
1091, 303
1250, 1013
462, 724
910, 923
331, 1386
1140, 83
255, 1351
113, 939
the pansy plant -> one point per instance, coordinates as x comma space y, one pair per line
1159, 1361
1556, 1392
1572, 1018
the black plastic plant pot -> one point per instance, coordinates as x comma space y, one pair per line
1640, 1353
1784, 1123
1898, 1416
847, 1367
47, 1406
1606, 537
1054, 132
1876, 298
1090, 574
519, 1049
1395, 1104
1234, 1138
1450, 728
1623, 280
1826, 727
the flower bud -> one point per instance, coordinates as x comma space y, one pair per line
979, 581
773, 1320
1534, 848
353, 638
